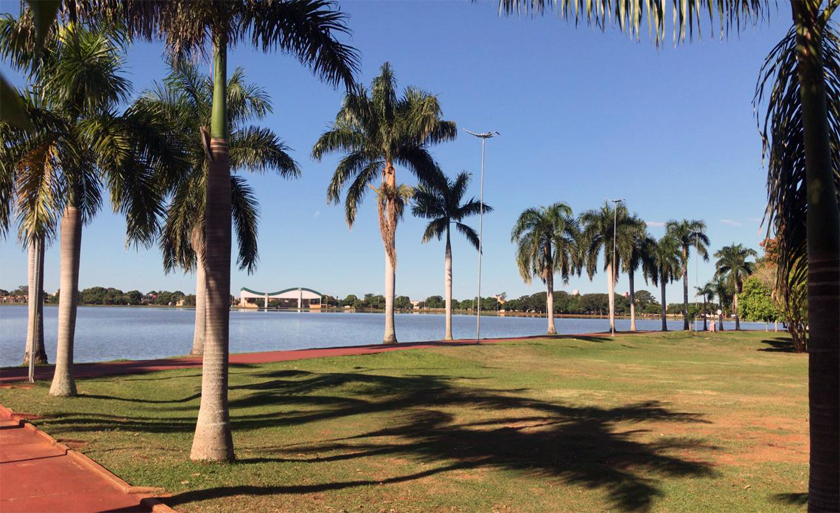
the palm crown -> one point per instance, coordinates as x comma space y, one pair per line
440, 202
185, 99
377, 130
599, 228
546, 242
732, 264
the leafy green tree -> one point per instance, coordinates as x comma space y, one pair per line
690, 234
440, 201
434, 302
757, 302
546, 243
186, 99
134, 297
605, 229
403, 303
732, 265
377, 131
305, 29
350, 300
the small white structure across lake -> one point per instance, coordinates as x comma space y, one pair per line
299, 298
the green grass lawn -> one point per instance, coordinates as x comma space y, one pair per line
660, 422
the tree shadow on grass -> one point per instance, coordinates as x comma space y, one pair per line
778, 345
586, 446
794, 499
581, 445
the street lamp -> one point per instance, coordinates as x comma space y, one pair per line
483, 137
614, 263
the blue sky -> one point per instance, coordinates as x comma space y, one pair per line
584, 115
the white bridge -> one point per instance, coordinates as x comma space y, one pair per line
299, 298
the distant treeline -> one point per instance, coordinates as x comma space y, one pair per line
112, 296
564, 303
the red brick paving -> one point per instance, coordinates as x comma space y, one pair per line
39, 476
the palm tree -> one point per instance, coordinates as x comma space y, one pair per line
186, 98
802, 233
605, 229
377, 131
689, 234
546, 241
732, 264
708, 293
24, 157
638, 250
668, 262
305, 29
723, 290
440, 202
811, 24
84, 142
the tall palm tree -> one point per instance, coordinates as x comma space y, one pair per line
377, 131
690, 234
638, 250
440, 202
546, 241
305, 29
811, 20
732, 264
723, 290
88, 143
708, 293
668, 262
24, 156
606, 228
186, 98
790, 183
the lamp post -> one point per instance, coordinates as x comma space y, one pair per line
483, 137
614, 263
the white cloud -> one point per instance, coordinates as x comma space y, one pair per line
655, 223
730, 222
317, 213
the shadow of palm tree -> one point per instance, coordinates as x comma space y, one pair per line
778, 345
577, 445
794, 499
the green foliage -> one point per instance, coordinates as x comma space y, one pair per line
756, 302
439, 201
403, 303
546, 241
732, 264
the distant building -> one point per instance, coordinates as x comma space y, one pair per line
300, 298
576, 292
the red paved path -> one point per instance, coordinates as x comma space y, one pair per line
39, 476
89, 370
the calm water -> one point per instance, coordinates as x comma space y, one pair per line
106, 333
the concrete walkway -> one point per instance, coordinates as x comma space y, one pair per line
38, 474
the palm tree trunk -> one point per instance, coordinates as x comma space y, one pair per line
630, 277
664, 310
549, 301
735, 308
685, 290
390, 336
448, 286
388, 228
823, 230
200, 293
36, 303
63, 384
705, 327
213, 440
611, 289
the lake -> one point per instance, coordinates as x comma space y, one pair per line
111, 333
